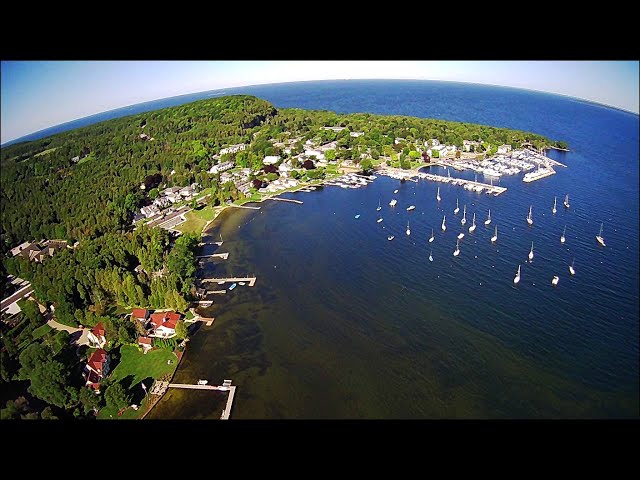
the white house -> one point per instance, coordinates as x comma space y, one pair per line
96, 336
356, 134
314, 153
284, 169
504, 149
221, 167
163, 324
271, 159
335, 129
233, 148
466, 144
150, 210
145, 343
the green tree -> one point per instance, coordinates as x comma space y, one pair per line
366, 164
49, 382
116, 396
153, 193
458, 153
89, 400
30, 358
47, 414
181, 330
330, 155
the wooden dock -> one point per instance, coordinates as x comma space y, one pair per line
225, 387
251, 280
299, 202
244, 206
223, 256
226, 413
190, 386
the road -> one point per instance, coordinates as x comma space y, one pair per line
16, 296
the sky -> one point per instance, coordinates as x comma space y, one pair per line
40, 94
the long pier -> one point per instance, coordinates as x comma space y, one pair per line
251, 280
223, 256
226, 387
199, 387
495, 189
299, 202
244, 206
226, 413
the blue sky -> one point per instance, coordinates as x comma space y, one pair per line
36, 95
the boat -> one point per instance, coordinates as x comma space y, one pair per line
431, 256
531, 252
203, 382
411, 207
444, 227
438, 194
233, 285
456, 252
395, 191
530, 218
554, 280
461, 235
516, 279
379, 220
495, 235
390, 237
600, 238
393, 202
431, 239
379, 206
473, 223
220, 282
464, 216
562, 239
572, 270
408, 230
357, 216
553, 210
455, 212
241, 283
488, 220
566, 201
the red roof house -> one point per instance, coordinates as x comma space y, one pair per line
141, 314
95, 370
96, 336
145, 343
164, 324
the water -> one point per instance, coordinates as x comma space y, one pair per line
343, 323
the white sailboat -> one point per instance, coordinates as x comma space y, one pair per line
516, 279
554, 280
566, 201
444, 227
473, 223
438, 194
379, 206
599, 237
531, 252
432, 237
572, 270
393, 202
530, 217
411, 207
395, 191
461, 235
455, 212
431, 256
488, 220
464, 215
456, 252
495, 235
553, 210
379, 220
390, 237
408, 230
562, 238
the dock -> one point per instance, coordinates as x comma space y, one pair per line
225, 387
223, 256
299, 202
533, 176
251, 280
226, 413
244, 206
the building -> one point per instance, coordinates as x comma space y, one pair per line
466, 144
504, 149
284, 169
271, 159
314, 153
233, 148
38, 251
160, 203
163, 324
140, 314
96, 336
150, 210
245, 188
145, 343
356, 134
221, 167
335, 129
96, 368
226, 177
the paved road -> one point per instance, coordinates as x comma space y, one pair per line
16, 296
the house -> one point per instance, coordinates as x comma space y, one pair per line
76, 159
163, 324
233, 148
435, 142
140, 314
186, 192
144, 136
466, 144
151, 210
335, 129
25, 249
245, 188
145, 343
398, 140
96, 336
96, 368
504, 149
356, 134
221, 167
314, 153
284, 169
161, 202
226, 177
328, 146
271, 159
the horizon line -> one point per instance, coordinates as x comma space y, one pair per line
15, 140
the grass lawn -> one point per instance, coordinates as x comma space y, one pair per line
47, 151
189, 315
196, 220
153, 364
129, 413
41, 331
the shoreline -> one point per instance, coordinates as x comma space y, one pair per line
153, 405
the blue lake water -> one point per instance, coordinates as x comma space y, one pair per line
345, 324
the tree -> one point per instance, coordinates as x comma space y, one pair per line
330, 155
116, 396
366, 164
47, 414
89, 400
49, 382
30, 358
458, 153
153, 193
435, 153
308, 165
272, 176
181, 330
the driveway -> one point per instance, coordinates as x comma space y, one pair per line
79, 336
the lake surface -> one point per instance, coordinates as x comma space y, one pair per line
343, 323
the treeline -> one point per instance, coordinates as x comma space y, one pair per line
101, 272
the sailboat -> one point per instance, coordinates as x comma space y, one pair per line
572, 270
431, 256
411, 207
455, 212
393, 202
563, 232
566, 201
530, 218
554, 205
473, 223
379, 220
599, 237
444, 227
464, 216
516, 279
390, 237
456, 252
408, 230
531, 252
395, 191
431, 239
495, 235
438, 194
488, 220
461, 235
554, 280
379, 206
